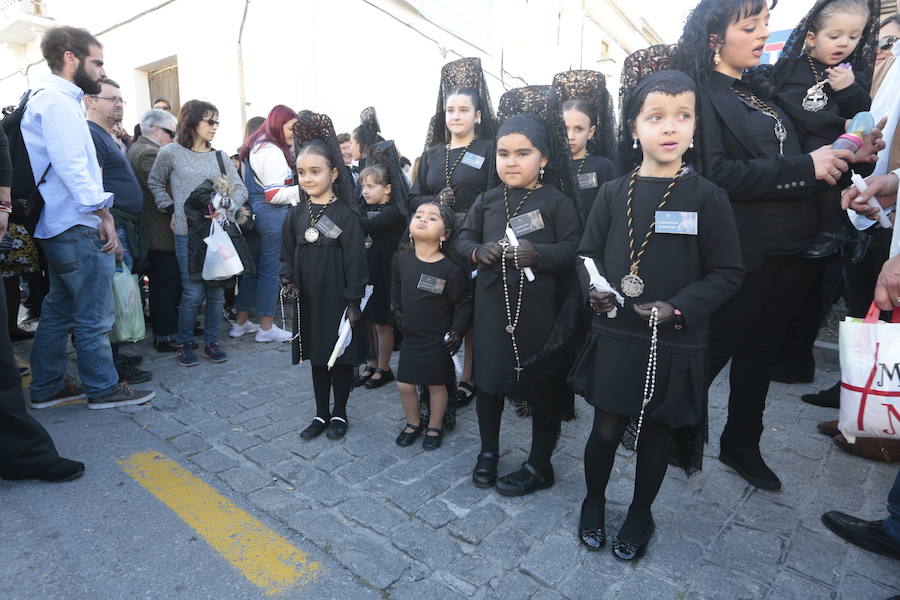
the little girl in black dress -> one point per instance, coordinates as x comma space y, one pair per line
432, 303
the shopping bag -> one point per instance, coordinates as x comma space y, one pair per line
129, 324
222, 260
870, 376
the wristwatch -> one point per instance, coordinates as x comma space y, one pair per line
679, 320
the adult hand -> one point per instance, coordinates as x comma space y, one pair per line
882, 187
4, 223
602, 302
840, 78
399, 320
873, 143
666, 312
107, 232
830, 164
353, 313
172, 223
446, 197
524, 254
887, 289
452, 341
488, 254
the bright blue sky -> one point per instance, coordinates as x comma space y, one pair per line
667, 16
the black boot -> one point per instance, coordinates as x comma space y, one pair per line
749, 464
830, 398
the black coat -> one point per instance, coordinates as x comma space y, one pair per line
467, 181
383, 226
591, 172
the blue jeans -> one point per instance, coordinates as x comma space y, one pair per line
192, 295
260, 291
892, 523
80, 301
126, 249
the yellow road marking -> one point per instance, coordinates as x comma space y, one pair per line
261, 555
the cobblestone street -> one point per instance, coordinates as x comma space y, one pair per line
400, 523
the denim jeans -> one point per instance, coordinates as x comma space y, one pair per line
126, 249
892, 523
80, 301
192, 295
260, 291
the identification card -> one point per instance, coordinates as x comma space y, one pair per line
328, 228
587, 181
527, 223
428, 283
371, 214
677, 222
472, 160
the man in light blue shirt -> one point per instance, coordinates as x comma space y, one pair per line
76, 230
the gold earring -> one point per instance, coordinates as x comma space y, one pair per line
717, 58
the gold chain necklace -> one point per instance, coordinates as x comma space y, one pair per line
312, 234
519, 207
816, 99
754, 102
448, 170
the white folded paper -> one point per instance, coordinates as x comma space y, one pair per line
599, 283
345, 332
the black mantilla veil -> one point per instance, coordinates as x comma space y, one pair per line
863, 56
317, 129
590, 87
385, 155
369, 130
466, 76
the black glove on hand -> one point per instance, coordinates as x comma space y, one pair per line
488, 254
524, 254
602, 302
353, 313
452, 341
666, 311
446, 197
399, 319
289, 291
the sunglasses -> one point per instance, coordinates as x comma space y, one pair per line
212, 122
168, 131
886, 43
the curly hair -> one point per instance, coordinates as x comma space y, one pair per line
59, 40
192, 113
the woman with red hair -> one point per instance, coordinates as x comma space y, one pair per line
270, 181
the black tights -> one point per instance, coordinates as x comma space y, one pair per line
340, 379
544, 432
654, 445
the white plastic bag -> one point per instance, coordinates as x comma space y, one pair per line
222, 260
870, 377
129, 323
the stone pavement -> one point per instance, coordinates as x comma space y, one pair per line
410, 525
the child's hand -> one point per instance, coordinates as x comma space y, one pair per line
840, 78
452, 341
289, 291
602, 302
488, 254
666, 311
523, 255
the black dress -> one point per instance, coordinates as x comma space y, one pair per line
556, 242
429, 314
330, 273
467, 180
591, 172
694, 273
383, 226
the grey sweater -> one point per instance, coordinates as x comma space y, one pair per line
183, 170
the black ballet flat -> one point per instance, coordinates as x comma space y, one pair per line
336, 428
627, 551
485, 473
465, 393
314, 430
364, 377
592, 538
526, 480
406, 438
432, 442
386, 376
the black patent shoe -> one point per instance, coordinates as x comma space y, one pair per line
830, 398
337, 428
485, 473
314, 430
625, 550
825, 245
856, 248
363, 377
750, 465
465, 393
385, 377
432, 442
406, 438
594, 538
868, 535
526, 480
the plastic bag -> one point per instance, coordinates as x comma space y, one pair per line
129, 324
222, 260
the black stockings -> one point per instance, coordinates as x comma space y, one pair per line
340, 379
544, 431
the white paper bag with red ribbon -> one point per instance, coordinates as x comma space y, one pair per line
870, 376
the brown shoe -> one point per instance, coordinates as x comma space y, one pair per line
829, 428
70, 391
881, 450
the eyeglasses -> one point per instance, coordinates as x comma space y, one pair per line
212, 122
886, 43
113, 99
161, 107
168, 131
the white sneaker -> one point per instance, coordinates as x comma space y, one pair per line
275, 334
239, 330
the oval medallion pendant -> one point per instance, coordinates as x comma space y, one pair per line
311, 235
632, 285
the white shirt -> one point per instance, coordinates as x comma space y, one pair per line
274, 174
56, 133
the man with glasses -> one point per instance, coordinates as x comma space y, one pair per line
162, 104
158, 130
75, 230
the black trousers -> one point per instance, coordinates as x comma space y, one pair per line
749, 329
165, 293
25, 446
860, 278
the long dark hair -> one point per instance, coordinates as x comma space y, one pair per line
314, 134
192, 113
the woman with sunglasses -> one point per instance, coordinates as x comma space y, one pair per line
179, 169
888, 35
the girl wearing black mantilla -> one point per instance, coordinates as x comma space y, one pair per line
524, 326
666, 237
586, 108
324, 267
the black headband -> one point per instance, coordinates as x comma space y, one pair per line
532, 127
669, 82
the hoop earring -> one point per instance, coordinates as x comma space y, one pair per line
635, 144
717, 58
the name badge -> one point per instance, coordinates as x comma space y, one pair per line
327, 227
434, 285
527, 223
587, 181
677, 222
372, 214
472, 160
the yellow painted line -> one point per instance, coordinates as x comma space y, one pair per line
261, 555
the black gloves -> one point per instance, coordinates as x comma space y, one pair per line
353, 313
488, 254
452, 341
524, 254
602, 302
289, 291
